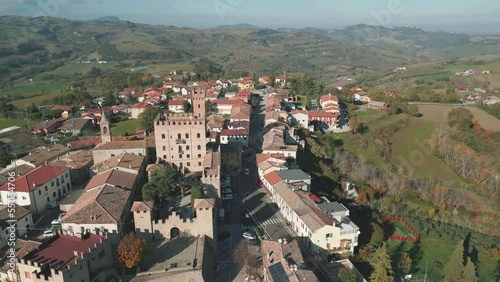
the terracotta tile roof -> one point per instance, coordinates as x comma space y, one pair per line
75, 124
18, 170
102, 205
116, 145
175, 102
329, 97
113, 177
36, 178
46, 154
273, 178
62, 107
262, 157
5, 214
298, 112
204, 203
142, 105
234, 132
272, 254
322, 114
241, 112
74, 160
142, 206
212, 162
125, 160
85, 143
23, 247
53, 123
59, 251
215, 121
227, 102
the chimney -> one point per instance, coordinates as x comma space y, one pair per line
46, 163
34, 184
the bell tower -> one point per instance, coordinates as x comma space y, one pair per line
199, 102
105, 129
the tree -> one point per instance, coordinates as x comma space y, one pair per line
188, 108
131, 250
356, 125
454, 269
377, 236
404, 264
5, 159
347, 275
110, 100
381, 263
161, 184
412, 110
147, 119
461, 119
469, 273
196, 193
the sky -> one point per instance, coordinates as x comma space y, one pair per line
479, 16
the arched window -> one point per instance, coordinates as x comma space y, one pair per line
180, 148
187, 136
164, 148
198, 135
104, 129
199, 147
163, 136
179, 136
57, 181
187, 147
54, 194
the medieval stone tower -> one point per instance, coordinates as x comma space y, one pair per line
199, 102
105, 129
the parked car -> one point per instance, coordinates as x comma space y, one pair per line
52, 205
249, 236
247, 171
228, 197
56, 221
48, 233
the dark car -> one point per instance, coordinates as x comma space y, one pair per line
224, 235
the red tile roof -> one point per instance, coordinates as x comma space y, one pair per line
142, 106
35, 178
227, 102
142, 206
233, 132
329, 97
273, 178
175, 102
113, 177
60, 250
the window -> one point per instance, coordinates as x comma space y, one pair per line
188, 156
39, 192
57, 182
24, 197
112, 155
101, 254
180, 148
179, 136
54, 194
48, 199
188, 164
164, 157
199, 163
45, 188
187, 147
52, 183
67, 175
199, 155
164, 148
199, 147
187, 136
163, 136
198, 135
26, 219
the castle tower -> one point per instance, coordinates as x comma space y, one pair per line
105, 129
199, 102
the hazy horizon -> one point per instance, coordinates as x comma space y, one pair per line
456, 16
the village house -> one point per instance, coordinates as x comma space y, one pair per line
215, 123
234, 136
211, 177
77, 126
48, 126
176, 105
37, 188
245, 83
238, 125
78, 162
137, 109
300, 118
125, 92
271, 117
329, 100
104, 151
22, 217
241, 113
101, 210
67, 111
126, 162
71, 259
324, 119
379, 106
267, 163
224, 106
281, 80
274, 143
264, 80
41, 156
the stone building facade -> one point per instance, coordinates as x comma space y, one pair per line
180, 138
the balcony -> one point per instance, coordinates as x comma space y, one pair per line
180, 141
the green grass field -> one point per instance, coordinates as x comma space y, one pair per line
125, 127
434, 76
368, 115
435, 249
4, 123
73, 68
411, 150
34, 89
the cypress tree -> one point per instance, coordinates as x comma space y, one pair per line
382, 269
454, 269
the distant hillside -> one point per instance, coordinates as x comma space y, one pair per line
108, 19
237, 26
49, 44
